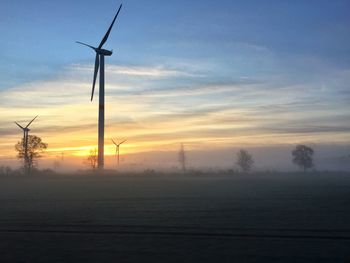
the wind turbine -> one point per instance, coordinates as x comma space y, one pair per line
25, 144
117, 145
100, 62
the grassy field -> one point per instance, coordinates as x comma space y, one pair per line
172, 218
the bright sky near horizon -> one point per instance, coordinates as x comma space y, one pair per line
210, 74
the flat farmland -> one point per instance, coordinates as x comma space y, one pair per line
172, 218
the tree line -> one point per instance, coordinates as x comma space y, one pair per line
302, 156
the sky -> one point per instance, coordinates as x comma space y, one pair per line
214, 75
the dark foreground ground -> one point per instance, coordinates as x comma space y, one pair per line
254, 218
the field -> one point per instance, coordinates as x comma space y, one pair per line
172, 218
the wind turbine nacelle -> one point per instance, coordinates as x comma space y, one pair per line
104, 52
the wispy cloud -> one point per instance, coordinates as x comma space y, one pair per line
136, 71
156, 107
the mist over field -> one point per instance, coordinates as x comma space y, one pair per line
327, 157
172, 218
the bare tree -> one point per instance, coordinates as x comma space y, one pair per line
244, 160
35, 148
92, 158
302, 156
182, 157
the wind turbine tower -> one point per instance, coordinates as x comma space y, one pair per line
100, 63
25, 144
117, 145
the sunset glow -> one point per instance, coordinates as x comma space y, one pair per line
219, 88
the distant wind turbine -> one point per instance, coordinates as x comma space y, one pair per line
117, 145
25, 144
100, 62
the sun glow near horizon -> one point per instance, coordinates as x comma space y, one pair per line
153, 119
210, 84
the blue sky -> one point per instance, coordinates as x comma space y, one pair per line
297, 38
227, 69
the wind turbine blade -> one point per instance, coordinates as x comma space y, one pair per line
31, 121
109, 30
122, 142
19, 126
97, 64
113, 141
85, 45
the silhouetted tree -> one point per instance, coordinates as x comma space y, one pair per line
182, 157
302, 156
35, 148
91, 160
244, 160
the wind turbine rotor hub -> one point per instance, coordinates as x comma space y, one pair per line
104, 52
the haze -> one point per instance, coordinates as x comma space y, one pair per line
216, 76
